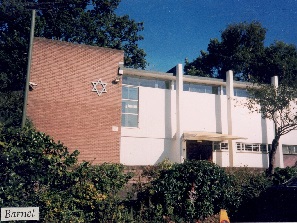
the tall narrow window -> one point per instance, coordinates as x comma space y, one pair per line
129, 106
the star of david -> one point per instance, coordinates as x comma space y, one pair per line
101, 84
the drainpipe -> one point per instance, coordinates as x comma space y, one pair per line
230, 106
180, 144
28, 68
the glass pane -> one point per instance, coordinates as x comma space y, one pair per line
248, 147
285, 149
161, 84
291, 149
130, 80
130, 107
125, 79
224, 145
186, 87
294, 149
216, 146
133, 93
147, 83
255, 147
208, 89
125, 92
240, 92
215, 90
129, 120
197, 88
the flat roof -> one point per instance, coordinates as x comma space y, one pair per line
186, 78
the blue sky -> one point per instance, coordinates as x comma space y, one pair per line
179, 29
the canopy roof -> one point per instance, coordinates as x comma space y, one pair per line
209, 136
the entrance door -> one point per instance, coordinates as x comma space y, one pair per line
199, 150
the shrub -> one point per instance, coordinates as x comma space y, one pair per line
281, 175
188, 191
249, 184
36, 171
153, 172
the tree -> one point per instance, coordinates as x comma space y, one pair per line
242, 50
280, 60
79, 21
241, 44
36, 171
278, 104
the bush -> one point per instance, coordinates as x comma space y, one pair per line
249, 184
281, 175
153, 172
188, 191
36, 171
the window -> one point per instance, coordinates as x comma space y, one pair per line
220, 146
143, 82
239, 92
252, 147
201, 88
289, 149
129, 106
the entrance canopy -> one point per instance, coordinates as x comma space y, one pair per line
209, 136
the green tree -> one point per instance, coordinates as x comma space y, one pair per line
240, 46
36, 171
242, 50
280, 60
278, 104
79, 21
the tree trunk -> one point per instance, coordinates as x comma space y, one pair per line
272, 153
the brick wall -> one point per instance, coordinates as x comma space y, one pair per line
63, 104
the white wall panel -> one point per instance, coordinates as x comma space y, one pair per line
154, 140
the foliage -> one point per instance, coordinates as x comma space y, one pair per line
242, 50
281, 175
253, 187
278, 104
153, 172
188, 191
280, 60
11, 107
36, 171
249, 184
84, 21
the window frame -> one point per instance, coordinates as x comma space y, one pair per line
252, 147
292, 149
127, 100
220, 146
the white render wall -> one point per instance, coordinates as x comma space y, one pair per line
154, 139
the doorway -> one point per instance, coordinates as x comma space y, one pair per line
199, 150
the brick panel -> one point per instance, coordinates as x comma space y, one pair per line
63, 105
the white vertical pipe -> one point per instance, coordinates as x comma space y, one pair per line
179, 128
230, 97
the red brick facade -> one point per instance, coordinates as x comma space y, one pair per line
63, 104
